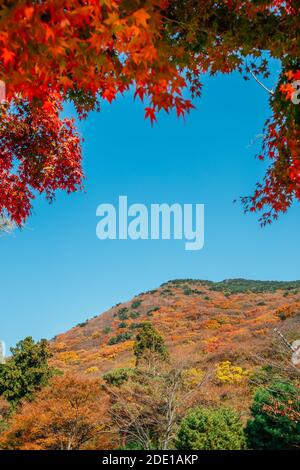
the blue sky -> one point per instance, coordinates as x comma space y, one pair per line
56, 273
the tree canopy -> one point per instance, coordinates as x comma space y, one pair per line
88, 51
150, 346
70, 414
208, 429
26, 371
275, 422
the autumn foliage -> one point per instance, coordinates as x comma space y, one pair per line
90, 51
193, 343
47, 151
64, 416
71, 50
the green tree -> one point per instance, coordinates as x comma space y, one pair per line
118, 376
275, 423
26, 371
150, 346
207, 429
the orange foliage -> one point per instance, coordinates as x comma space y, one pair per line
213, 329
288, 310
70, 414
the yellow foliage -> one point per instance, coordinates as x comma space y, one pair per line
193, 376
228, 373
212, 324
92, 370
111, 356
96, 335
113, 351
130, 363
68, 357
189, 341
89, 357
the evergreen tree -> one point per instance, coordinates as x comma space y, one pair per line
150, 346
206, 429
26, 371
275, 423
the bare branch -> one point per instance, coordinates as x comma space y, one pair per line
271, 92
6, 225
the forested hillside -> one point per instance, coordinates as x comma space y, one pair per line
201, 321
191, 365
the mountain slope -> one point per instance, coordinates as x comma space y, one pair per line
203, 323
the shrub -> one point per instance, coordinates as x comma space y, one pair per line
118, 376
228, 373
152, 310
134, 315
122, 313
136, 304
120, 338
69, 357
207, 429
107, 330
275, 423
166, 293
193, 376
92, 370
136, 326
187, 291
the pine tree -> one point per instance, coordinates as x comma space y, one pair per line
150, 346
26, 371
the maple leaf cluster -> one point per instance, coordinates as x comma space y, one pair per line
39, 153
89, 51
281, 145
83, 51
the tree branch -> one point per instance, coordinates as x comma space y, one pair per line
271, 92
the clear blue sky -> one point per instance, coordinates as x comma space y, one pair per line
56, 273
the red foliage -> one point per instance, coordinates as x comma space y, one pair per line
89, 51
39, 152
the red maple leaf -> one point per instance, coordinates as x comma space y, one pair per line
150, 113
7, 56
